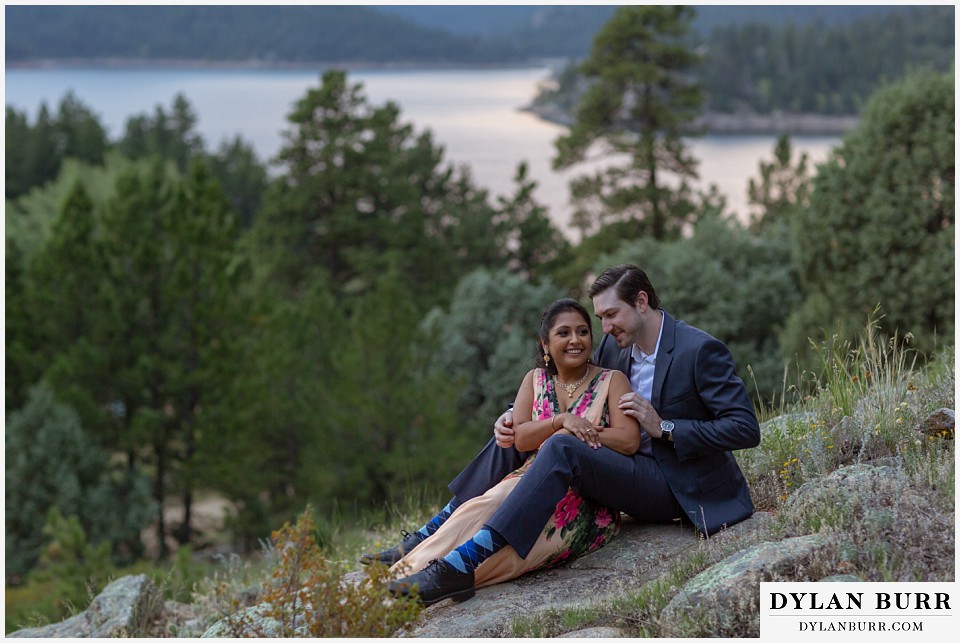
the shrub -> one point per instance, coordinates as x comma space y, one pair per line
308, 596
52, 462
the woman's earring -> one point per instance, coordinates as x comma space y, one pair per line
546, 359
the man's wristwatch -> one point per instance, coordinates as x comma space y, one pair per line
667, 428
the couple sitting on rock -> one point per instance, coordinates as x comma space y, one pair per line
646, 427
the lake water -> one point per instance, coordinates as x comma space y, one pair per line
473, 114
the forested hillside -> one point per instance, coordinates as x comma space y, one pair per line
387, 33
758, 67
820, 69
267, 34
567, 31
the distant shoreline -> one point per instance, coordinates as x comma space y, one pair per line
742, 123
247, 65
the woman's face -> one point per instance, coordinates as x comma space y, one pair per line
568, 341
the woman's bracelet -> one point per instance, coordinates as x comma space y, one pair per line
552, 427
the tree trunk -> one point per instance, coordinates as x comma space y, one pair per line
160, 481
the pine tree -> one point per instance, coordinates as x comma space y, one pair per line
880, 226
201, 295
782, 187
533, 246
360, 191
393, 425
641, 103
51, 461
17, 139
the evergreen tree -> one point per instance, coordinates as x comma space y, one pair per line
16, 171
52, 462
393, 423
359, 192
80, 133
267, 444
532, 245
43, 155
64, 301
66, 276
880, 226
169, 292
201, 294
34, 154
23, 366
243, 177
488, 334
782, 187
169, 135
640, 105
55, 263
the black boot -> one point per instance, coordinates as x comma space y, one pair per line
395, 553
437, 581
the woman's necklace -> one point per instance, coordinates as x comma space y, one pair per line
570, 388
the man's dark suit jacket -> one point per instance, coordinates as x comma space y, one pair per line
695, 385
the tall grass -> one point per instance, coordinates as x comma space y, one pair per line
861, 405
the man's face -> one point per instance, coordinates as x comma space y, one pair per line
618, 318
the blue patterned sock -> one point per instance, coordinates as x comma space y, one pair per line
434, 524
468, 556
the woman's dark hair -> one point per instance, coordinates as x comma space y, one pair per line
547, 321
629, 281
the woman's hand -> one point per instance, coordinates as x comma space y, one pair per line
503, 430
579, 427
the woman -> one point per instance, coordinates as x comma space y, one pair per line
565, 394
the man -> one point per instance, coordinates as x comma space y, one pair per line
693, 412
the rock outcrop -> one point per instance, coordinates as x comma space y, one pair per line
939, 424
125, 608
724, 599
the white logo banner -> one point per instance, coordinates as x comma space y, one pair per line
912, 611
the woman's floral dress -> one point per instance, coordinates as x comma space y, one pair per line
578, 525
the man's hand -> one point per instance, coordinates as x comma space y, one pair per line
503, 430
642, 410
